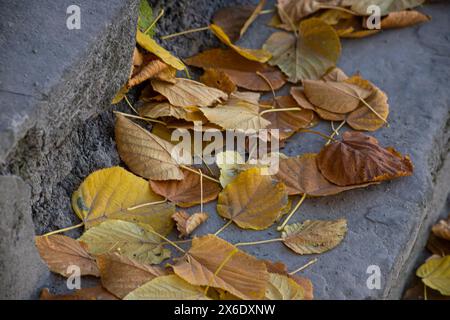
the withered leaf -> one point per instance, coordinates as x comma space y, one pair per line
147, 71
401, 19
358, 159
442, 229
282, 287
144, 153
59, 252
121, 275
438, 245
252, 200
314, 236
309, 55
347, 25
188, 93
217, 78
241, 71
165, 109
240, 274
386, 6
186, 192
232, 19
94, 293
187, 223
109, 193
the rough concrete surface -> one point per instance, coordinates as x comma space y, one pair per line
58, 139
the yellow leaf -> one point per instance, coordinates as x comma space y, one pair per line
314, 236
120, 95
435, 273
135, 241
252, 200
283, 288
150, 45
259, 55
169, 287
107, 193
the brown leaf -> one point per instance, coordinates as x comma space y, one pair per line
240, 274
187, 223
401, 19
442, 229
359, 159
186, 192
232, 19
301, 175
217, 78
314, 236
121, 275
144, 153
241, 71
417, 293
94, 293
438, 245
165, 109
145, 72
59, 252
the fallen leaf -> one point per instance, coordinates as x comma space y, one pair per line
301, 175
230, 164
442, 229
309, 55
144, 153
152, 46
252, 200
299, 96
438, 245
169, 287
121, 275
59, 252
145, 15
241, 71
120, 95
227, 268
347, 25
188, 93
358, 159
314, 236
435, 273
386, 6
417, 293
165, 109
232, 19
94, 293
108, 193
186, 192
403, 19
187, 223
259, 55
281, 287
134, 241
218, 79
147, 71
335, 74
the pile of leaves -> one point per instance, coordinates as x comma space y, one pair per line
128, 216
434, 273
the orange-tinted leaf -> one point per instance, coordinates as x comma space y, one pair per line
187, 223
217, 78
401, 19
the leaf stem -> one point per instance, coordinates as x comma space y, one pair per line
268, 83
166, 240
201, 190
299, 203
154, 21
130, 105
240, 244
319, 134
173, 35
203, 175
223, 227
279, 110
335, 131
303, 267
220, 267
139, 117
146, 204
64, 229
267, 11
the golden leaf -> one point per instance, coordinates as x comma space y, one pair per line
108, 193
187, 223
59, 252
135, 241
169, 287
252, 200
435, 273
188, 93
259, 55
314, 236
283, 288
216, 263
121, 275
218, 79
144, 153
309, 55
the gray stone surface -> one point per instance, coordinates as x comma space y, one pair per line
21, 269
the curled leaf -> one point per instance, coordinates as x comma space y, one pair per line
401, 19
187, 223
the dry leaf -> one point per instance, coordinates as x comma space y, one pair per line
347, 25
188, 93
335, 74
144, 153
94, 293
299, 96
147, 71
438, 245
301, 175
186, 192
121, 275
150, 45
217, 78
232, 19
59, 252
386, 6
108, 193
134, 241
259, 55
240, 274
281, 287
403, 19
252, 200
359, 159
169, 287
187, 223
241, 71
309, 55
442, 229
435, 273
165, 109
314, 236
